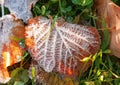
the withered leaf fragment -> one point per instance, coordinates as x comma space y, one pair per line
10, 51
111, 12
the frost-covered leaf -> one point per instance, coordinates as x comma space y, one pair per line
9, 48
62, 48
20, 8
10, 51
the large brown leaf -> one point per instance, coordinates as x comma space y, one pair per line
61, 46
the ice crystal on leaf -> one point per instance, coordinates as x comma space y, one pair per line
6, 24
5, 27
62, 48
10, 51
20, 8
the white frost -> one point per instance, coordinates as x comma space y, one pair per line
20, 8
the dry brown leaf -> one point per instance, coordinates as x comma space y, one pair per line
10, 51
107, 9
62, 46
114, 23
